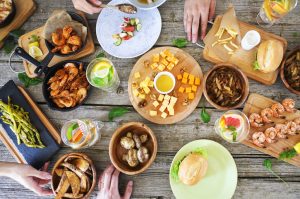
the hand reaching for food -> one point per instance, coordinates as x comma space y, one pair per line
109, 185
90, 7
28, 176
196, 11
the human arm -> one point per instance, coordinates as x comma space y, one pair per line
90, 7
27, 176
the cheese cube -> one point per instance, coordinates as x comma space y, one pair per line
168, 53
170, 66
147, 80
155, 104
142, 96
188, 90
153, 113
165, 103
191, 81
137, 75
163, 54
197, 81
194, 88
171, 110
146, 89
162, 108
151, 84
167, 97
181, 89
143, 84
155, 58
191, 76
164, 62
154, 66
164, 115
179, 76
170, 58
135, 92
161, 67
191, 96
185, 75
160, 97
173, 101
175, 61
184, 80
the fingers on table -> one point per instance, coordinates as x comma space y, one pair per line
128, 190
212, 8
88, 8
107, 176
35, 187
204, 19
115, 180
95, 2
41, 174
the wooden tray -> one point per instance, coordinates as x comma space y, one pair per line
24, 42
256, 103
55, 134
24, 9
181, 112
245, 59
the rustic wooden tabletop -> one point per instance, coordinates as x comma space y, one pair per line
254, 181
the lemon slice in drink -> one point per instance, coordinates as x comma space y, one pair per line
35, 52
297, 147
101, 69
227, 135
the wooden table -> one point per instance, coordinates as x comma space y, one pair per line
253, 182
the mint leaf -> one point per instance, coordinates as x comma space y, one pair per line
116, 112
180, 42
205, 117
288, 154
234, 135
27, 81
268, 165
100, 55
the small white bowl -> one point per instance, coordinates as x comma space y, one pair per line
250, 40
168, 74
144, 6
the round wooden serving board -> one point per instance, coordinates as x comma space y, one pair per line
181, 111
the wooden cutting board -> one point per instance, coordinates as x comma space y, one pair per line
181, 112
255, 104
24, 42
24, 9
18, 150
244, 59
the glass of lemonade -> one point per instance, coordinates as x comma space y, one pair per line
81, 133
102, 74
273, 10
233, 126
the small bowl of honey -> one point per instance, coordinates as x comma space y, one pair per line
164, 82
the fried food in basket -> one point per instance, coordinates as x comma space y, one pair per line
69, 86
75, 178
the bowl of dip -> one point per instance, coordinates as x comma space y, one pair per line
164, 82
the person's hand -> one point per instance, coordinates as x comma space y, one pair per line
109, 185
90, 7
31, 178
194, 12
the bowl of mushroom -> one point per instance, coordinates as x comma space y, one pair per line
133, 148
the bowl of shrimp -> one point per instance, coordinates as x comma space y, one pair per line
65, 86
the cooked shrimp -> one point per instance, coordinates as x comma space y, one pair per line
81, 94
289, 105
258, 139
66, 49
58, 39
255, 120
297, 121
54, 85
281, 130
291, 128
67, 30
54, 93
270, 134
56, 49
73, 72
74, 40
63, 80
266, 114
277, 109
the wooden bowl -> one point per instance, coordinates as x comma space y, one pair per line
116, 151
286, 84
55, 178
241, 75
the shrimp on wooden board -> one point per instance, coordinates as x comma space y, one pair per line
67, 30
291, 128
278, 109
297, 121
266, 114
281, 130
289, 105
66, 49
255, 120
270, 134
75, 40
258, 139
58, 39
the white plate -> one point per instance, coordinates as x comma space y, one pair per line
143, 6
109, 22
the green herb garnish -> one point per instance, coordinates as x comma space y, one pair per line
288, 154
117, 112
34, 38
204, 115
256, 66
11, 40
27, 81
234, 133
100, 55
180, 42
268, 165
